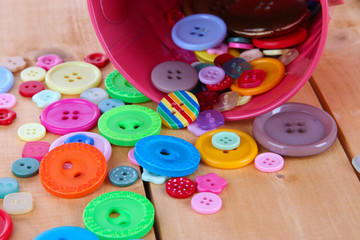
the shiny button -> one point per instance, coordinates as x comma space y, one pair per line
252, 54
251, 78
210, 182
147, 176
210, 119
211, 75
226, 83
131, 157
35, 150
66, 233
226, 101
79, 138
207, 99
195, 129
8, 185
6, 116
235, 67
33, 74
355, 162
94, 95
25, 167
45, 98
48, 61
18, 203
206, 203
221, 59
205, 57
7, 100
174, 15
6, 80
30, 88
225, 140
6, 226
219, 49
31, 132
199, 32
14, 64
73, 77
180, 187
123, 176
269, 162
289, 57
240, 45
275, 52
97, 59
110, 103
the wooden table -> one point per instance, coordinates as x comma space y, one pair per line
314, 197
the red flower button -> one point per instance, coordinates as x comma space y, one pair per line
180, 187
97, 59
6, 116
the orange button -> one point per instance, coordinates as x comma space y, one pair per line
274, 73
73, 170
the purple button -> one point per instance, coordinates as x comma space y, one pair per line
295, 129
173, 76
210, 119
235, 67
211, 75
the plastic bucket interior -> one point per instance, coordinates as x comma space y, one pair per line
136, 36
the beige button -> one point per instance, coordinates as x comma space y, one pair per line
14, 64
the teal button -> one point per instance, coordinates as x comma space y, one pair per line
25, 167
8, 185
225, 140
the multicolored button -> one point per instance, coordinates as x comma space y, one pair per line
6, 116
94, 95
67, 233
180, 187
73, 170
6, 226
25, 167
46, 97
7, 80
97, 59
31, 132
30, 88
7, 100
210, 182
35, 150
206, 203
70, 115
123, 176
269, 162
225, 140
110, 103
33, 74
178, 109
73, 77
14, 64
48, 61
18, 203
8, 185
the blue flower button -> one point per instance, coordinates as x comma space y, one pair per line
45, 98
94, 95
67, 233
80, 138
25, 167
6, 80
8, 185
110, 103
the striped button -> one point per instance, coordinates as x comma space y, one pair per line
178, 109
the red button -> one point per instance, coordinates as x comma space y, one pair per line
30, 88
6, 225
207, 99
226, 83
6, 116
251, 78
180, 187
174, 15
97, 59
223, 58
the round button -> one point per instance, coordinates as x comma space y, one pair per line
6, 116
252, 54
73, 77
178, 109
10, 185
239, 40
94, 95
205, 57
48, 61
97, 59
66, 233
295, 129
180, 187
70, 115
6, 225
25, 167
227, 101
7, 100
45, 98
110, 103
33, 74
206, 203
251, 78
99, 142
226, 83
167, 156
235, 67
220, 60
275, 52
119, 215
211, 75
174, 76
30, 88
210, 119
7, 80
210, 182
125, 125
289, 57
243, 155
269, 162
131, 157
240, 45
73, 170
199, 32
183, 55
207, 99
219, 49
225, 140
274, 73
123, 176
356, 163
79, 138
118, 87
31, 132
35, 150
195, 129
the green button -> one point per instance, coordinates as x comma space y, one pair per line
225, 140
118, 87
125, 125
119, 215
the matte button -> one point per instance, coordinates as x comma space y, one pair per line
66, 233
25, 167
211, 75
275, 52
8, 185
35, 150
6, 226
269, 162
97, 59
18, 203
33, 74
94, 95
147, 176
30, 88
48, 61
123, 176
206, 203
235, 67
31, 132
283, 41
7, 100
295, 129
180, 187
225, 140
110, 103
46, 97
79, 138
7, 80
14, 64
210, 119
6, 116
210, 182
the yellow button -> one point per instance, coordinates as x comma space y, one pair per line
31, 132
274, 73
33, 74
73, 77
204, 56
241, 156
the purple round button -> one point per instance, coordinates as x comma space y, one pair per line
295, 129
211, 75
173, 76
70, 115
210, 119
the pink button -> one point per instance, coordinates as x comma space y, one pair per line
100, 143
206, 203
211, 75
70, 115
35, 150
219, 49
131, 157
269, 162
240, 45
210, 182
251, 78
250, 55
48, 61
7, 100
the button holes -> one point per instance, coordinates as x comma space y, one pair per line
207, 203
66, 76
204, 198
65, 112
78, 174
210, 200
234, 148
122, 126
181, 104
300, 123
169, 77
289, 130
108, 104
225, 151
28, 167
178, 71
202, 202
65, 118
70, 80
181, 111
301, 130
169, 71
124, 173
269, 164
121, 179
136, 126
267, 159
272, 161
264, 162
173, 112
95, 95
208, 180
75, 112
178, 77
192, 33
75, 117
34, 86
212, 184
79, 77
26, 86
74, 73
164, 152
22, 164
114, 214
200, 35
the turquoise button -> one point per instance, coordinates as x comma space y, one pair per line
123, 176
8, 185
225, 140
25, 167
6, 80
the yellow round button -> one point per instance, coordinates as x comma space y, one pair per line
241, 156
73, 77
31, 132
204, 56
33, 74
274, 73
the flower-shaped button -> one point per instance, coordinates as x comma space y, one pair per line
94, 95
131, 157
30, 88
35, 150
79, 138
25, 167
206, 203
8, 185
31, 132
6, 225
123, 176
98, 59
109, 103
7, 100
48, 61
147, 176
6, 116
210, 182
226, 101
18, 203
269, 162
252, 54
225, 140
33, 74
207, 99
211, 75
210, 119
45, 98
235, 67
14, 64
7, 80
251, 78
180, 187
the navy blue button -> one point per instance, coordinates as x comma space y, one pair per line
235, 67
80, 138
67, 233
6, 80
167, 156
25, 167
199, 32
123, 176
107, 104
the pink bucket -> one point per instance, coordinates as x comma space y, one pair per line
136, 36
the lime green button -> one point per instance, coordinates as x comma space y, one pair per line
119, 215
118, 87
125, 125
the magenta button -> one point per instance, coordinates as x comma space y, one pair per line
36, 150
70, 115
48, 61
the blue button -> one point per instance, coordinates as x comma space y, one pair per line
80, 138
123, 176
235, 67
45, 98
25, 167
107, 104
6, 80
199, 32
167, 156
8, 185
67, 233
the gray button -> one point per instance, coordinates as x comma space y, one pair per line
123, 176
